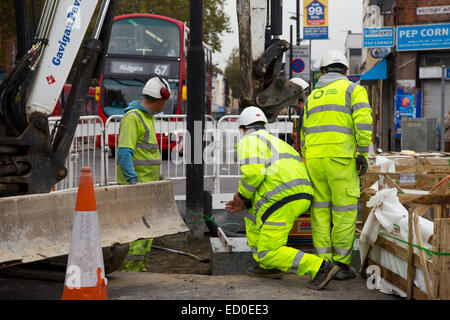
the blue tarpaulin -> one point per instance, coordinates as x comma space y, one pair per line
377, 72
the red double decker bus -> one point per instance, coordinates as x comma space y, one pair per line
143, 45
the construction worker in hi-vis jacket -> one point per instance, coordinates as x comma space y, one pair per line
335, 137
138, 157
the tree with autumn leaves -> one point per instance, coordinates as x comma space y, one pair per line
233, 73
7, 29
215, 20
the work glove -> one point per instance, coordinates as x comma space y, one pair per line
361, 165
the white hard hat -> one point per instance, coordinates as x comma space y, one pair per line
251, 115
300, 82
333, 56
157, 88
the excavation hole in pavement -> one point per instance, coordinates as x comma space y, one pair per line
162, 261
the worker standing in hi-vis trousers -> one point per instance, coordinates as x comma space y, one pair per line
275, 189
138, 157
336, 134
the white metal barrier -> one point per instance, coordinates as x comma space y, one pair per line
228, 134
85, 151
95, 145
172, 134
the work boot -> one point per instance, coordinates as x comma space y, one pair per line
264, 273
326, 272
345, 272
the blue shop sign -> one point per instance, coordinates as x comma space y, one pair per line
379, 37
423, 37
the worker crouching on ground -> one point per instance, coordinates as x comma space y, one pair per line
275, 189
138, 156
336, 134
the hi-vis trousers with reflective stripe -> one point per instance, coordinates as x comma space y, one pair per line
137, 257
334, 208
268, 243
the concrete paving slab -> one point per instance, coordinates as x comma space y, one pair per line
224, 262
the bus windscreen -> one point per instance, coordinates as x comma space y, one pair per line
145, 37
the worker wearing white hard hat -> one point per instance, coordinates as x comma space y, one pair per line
275, 188
138, 157
157, 88
332, 59
336, 134
252, 117
300, 82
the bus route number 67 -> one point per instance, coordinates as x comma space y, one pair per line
162, 69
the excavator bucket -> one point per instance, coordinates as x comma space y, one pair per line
39, 226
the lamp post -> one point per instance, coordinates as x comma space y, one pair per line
195, 121
299, 39
290, 53
296, 18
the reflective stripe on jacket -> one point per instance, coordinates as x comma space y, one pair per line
272, 173
137, 132
337, 119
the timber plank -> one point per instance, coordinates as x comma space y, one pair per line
441, 264
398, 281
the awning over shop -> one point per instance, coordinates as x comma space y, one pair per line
377, 72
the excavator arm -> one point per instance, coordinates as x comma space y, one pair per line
261, 54
31, 159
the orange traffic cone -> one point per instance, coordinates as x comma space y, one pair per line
85, 274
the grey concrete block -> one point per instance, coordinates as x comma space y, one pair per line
224, 262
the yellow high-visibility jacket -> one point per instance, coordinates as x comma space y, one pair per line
137, 132
337, 119
273, 174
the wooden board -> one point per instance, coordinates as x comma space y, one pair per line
398, 251
398, 281
414, 169
441, 264
422, 181
424, 199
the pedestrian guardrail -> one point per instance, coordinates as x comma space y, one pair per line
85, 151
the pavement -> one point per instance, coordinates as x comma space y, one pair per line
159, 286
124, 286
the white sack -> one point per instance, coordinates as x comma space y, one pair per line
386, 165
426, 229
387, 208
